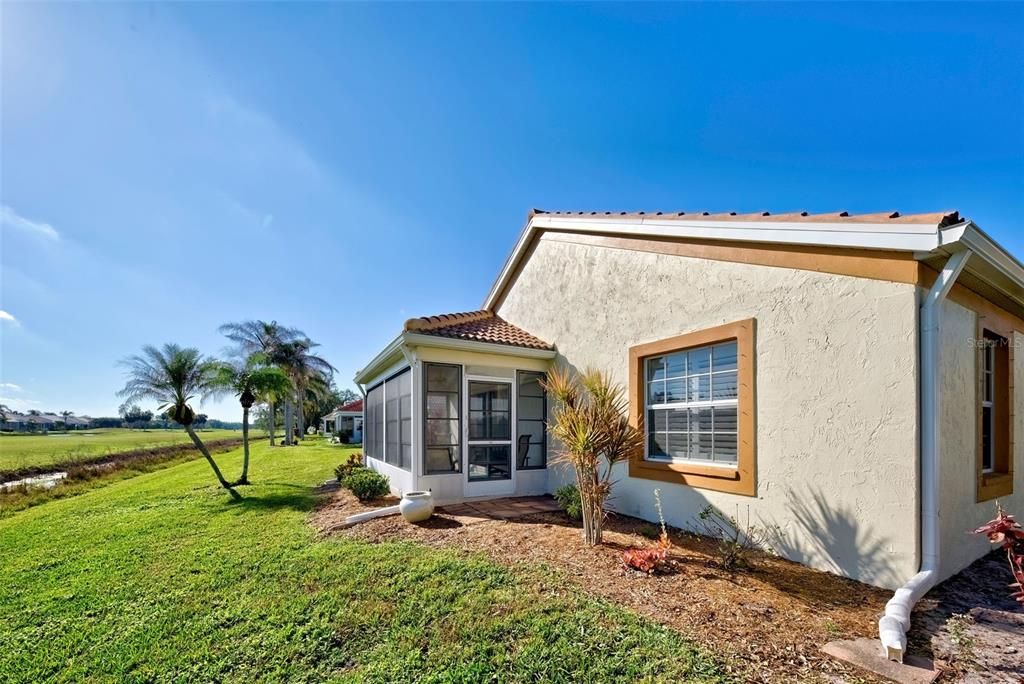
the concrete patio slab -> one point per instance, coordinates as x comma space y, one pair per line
500, 509
866, 653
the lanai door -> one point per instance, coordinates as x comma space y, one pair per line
488, 433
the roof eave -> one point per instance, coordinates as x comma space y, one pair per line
893, 237
437, 341
394, 351
924, 240
390, 353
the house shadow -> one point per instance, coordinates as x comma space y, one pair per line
819, 533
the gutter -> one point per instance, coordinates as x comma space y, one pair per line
893, 626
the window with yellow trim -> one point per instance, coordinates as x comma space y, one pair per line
693, 396
995, 403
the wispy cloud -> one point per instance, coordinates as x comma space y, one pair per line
8, 318
19, 404
10, 386
16, 221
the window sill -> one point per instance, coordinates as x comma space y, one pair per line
723, 472
994, 485
718, 478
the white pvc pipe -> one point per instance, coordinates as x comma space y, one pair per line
893, 626
370, 515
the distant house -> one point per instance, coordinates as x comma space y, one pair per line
15, 422
849, 379
347, 418
23, 422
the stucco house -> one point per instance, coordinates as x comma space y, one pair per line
345, 418
848, 378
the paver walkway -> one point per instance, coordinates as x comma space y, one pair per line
501, 509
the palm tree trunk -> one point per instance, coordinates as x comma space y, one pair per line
302, 419
209, 459
288, 422
244, 479
273, 421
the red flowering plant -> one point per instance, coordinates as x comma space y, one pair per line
655, 558
1008, 533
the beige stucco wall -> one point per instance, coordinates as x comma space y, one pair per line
958, 511
836, 389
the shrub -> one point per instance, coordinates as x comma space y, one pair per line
653, 559
367, 484
568, 497
735, 539
350, 465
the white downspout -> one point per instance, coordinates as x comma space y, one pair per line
893, 626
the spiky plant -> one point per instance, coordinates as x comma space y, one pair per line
251, 379
591, 422
173, 376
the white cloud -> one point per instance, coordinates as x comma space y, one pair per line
19, 404
13, 219
4, 316
10, 386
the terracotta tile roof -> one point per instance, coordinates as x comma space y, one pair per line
479, 326
938, 218
356, 405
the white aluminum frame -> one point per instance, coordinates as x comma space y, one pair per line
711, 403
477, 488
988, 385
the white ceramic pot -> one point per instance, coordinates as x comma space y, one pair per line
416, 506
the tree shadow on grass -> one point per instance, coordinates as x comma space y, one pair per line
300, 499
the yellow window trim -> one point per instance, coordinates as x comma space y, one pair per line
739, 480
1000, 482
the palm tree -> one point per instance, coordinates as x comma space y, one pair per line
252, 337
250, 380
174, 376
306, 370
64, 415
591, 422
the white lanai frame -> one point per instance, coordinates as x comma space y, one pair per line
478, 362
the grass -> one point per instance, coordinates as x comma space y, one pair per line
161, 578
19, 451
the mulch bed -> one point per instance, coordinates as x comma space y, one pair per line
769, 622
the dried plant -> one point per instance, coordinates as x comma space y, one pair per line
1007, 532
590, 421
653, 559
735, 539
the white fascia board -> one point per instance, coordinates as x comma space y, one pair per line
897, 237
393, 349
976, 240
421, 340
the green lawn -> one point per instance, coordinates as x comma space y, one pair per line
161, 578
22, 451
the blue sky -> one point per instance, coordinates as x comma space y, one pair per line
340, 168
